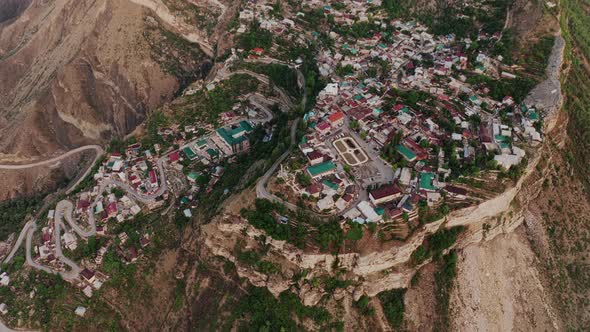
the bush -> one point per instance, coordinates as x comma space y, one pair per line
13, 213
434, 244
355, 232
444, 280
263, 312
255, 37
364, 306
393, 306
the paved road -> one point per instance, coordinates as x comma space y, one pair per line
19, 241
28, 251
98, 149
64, 209
74, 268
261, 191
386, 173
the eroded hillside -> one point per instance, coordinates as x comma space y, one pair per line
75, 72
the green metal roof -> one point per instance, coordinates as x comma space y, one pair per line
189, 153
321, 168
330, 184
213, 153
246, 125
234, 136
407, 153
426, 181
501, 138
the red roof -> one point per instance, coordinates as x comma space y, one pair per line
87, 274
112, 208
322, 126
174, 156
334, 117
386, 191
456, 190
83, 204
394, 213
417, 149
313, 155
258, 50
398, 107
314, 188
153, 177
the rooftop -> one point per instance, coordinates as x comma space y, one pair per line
321, 168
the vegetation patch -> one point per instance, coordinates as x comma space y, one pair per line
259, 310
393, 306
434, 244
280, 75
300, 229
444, 280
206, 105
176, 56
13, 213
364, 306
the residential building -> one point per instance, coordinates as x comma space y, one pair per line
385, 194
235, 138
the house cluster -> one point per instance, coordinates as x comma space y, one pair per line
4, 282
445, 121
265, 14
211, 148
136, 167
90, 281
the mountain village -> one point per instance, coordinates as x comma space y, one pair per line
402, 119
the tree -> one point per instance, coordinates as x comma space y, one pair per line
303, 179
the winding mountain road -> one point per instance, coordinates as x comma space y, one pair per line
99, 151
65, 208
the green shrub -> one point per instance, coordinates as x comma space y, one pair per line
393, 306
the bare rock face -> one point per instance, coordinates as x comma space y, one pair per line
75, 72
12, 8
358, 293
310, 296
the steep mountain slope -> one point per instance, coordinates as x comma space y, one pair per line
537, 278
75, 72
